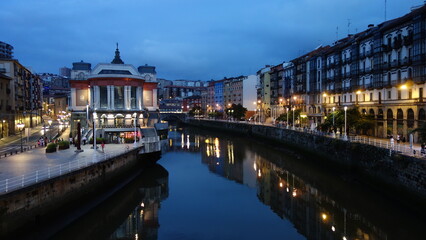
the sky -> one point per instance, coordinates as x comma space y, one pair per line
184, 39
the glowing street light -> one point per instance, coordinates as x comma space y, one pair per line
21, 127
345, 137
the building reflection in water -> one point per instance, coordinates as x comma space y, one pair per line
315, 214
142, 222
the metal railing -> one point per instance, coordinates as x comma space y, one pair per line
26, 180
396, 147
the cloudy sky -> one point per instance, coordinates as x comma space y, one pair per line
184, 39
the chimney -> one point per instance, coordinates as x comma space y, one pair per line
370, 26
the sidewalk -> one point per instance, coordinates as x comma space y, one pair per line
38, 160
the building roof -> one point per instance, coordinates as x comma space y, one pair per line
146, 69
117, 59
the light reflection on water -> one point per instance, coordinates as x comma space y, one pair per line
249, 191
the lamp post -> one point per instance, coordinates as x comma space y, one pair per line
287, 116
334, 133
345, 137
134, 144
21, 127
293, 118
94, 131
50, 134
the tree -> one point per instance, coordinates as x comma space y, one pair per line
236, 111
422, 132
283, 117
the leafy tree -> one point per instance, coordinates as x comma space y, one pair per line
421, 131
283, 117
236, 111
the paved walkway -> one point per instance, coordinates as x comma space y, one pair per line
38, 160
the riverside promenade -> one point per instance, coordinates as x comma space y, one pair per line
35, 165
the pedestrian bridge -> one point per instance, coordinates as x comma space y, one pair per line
173, 116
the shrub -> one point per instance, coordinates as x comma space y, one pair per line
64, 145
129, 140
51, 147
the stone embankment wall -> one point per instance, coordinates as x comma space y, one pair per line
30, 204
376, 166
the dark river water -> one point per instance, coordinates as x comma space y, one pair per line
211, 185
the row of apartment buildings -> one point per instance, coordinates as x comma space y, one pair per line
20, 94
380, 70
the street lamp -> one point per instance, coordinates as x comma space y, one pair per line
94, 131
287, 116
50, 134
21, 127
293, 117
334, 134
345, 137
134, 144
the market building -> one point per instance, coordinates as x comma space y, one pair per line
114, 97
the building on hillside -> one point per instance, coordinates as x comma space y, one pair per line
115, 96
65, 72
189, 103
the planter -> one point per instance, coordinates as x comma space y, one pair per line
50, 150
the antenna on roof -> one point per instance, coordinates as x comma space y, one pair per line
337, 33
385, 9
349, 24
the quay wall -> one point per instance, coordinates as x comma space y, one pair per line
35, 203
392, 173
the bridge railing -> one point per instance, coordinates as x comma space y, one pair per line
15, 183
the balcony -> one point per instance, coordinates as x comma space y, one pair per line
369, 53
408, 40
385, 65
386, 48
397, 43
2, 70
405, 61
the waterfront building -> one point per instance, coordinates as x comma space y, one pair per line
115, 96
381, 71
22, 102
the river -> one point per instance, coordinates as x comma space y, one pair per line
210, 185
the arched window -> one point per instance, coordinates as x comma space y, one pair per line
389, 116
400, 117
422, 116
410, 118
371, 112
380, 114
364, 112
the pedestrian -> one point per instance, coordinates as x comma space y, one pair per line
397, 139
103, 146
392, 142
70, 140
403, 139
422, 149
84, 140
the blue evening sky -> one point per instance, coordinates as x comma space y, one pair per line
184, 39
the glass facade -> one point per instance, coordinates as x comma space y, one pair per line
133, 97
103, 95
119, 97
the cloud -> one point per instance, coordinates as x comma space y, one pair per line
187, 39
